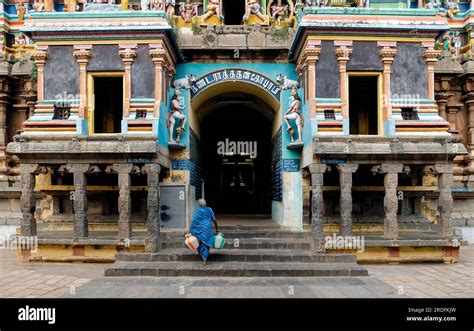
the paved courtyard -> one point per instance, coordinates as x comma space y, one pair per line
52, 280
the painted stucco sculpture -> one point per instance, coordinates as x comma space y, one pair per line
253, 8
294, 113
176, 113
213, 8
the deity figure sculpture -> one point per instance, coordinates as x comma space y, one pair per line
156, 5
452, 8
299, 8
169, 7
144, 5
279, 12
187, 11
70, 5
457, 45
294, 113
433, 4
176, 113
213, 8
38, 5
253, 7
21, 11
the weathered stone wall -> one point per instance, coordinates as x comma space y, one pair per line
58, 85
407, 66
143, 74
327, 72
105, 58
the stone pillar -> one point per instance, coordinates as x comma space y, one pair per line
4, 91
343, 54
81, 223
40, 57
82, 54
317, 205
158, 57
345, 203
27, 199
430, 55
152, 240
128, 55
387, 54
124, 200
442, 101
445, 199
390, 201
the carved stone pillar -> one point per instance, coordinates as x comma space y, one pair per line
445, 199
152, 240
81, 223
345, 203
387, 54
390, 201
128, 55
124, 200
317, 204
343, 54
27, 199
442, 101
4, 91
40, 57
158, 57
82, 54
431, 57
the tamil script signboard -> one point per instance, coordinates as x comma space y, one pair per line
236, 75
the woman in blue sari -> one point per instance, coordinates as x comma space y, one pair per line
201, 228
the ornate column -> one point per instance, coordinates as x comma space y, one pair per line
343, 54
390, 201
442, 101
345, 203
445, 199
307, 62
317, 204
40, 57
152, 240
387, 54
158, 57
124, 200
81, 223
27, 199
82, 53
430, 55
4, 91
128, 55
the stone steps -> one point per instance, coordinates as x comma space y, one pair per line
234, 255
249, 243
245, 234
235, 269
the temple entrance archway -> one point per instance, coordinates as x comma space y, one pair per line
234, 123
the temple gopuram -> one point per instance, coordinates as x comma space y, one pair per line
300, 122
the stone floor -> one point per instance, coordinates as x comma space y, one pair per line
48, 280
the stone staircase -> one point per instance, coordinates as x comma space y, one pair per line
249, 252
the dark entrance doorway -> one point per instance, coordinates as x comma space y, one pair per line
234, 11
363, 105
235, 181
108, 106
